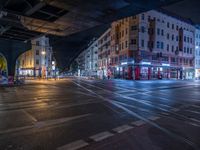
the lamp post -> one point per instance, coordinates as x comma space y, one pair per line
43, 53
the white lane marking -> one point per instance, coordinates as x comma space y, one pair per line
32, 118
196, 120
196, 106
174, 135
101, 136
153, 118
165, 105
191, 111
42, 124
16, 129
74, 145
126, 97
175, 109
122, 128
194, 124
138, 123
45, 123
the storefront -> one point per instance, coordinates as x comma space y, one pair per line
197, 74
188, 73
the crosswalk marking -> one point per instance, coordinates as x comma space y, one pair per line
138, 123
101, 136
74, 145
122, 128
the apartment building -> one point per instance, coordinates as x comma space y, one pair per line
154, 44
197, 52
104, 54
87, 60
36, 62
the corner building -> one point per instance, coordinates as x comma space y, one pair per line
152, 45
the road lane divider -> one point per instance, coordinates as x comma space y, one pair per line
74, 145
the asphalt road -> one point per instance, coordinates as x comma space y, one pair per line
100, 115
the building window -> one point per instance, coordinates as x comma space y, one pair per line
172, 37
188, 39
133, 41
167, 47
162, 45
184, 49
168, 36
190, 50
162, 32
37, 43
158, 44
142, 29
177, 38
168, 24
142, 16
126, 44
172, 48
142, 43
172, 26
37, 62
177, 27
158, 31
184, 38
37, 52
133, 28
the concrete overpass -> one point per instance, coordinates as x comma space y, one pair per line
70, 24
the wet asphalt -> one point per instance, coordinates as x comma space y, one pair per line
85, 114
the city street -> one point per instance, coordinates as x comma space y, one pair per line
74, 113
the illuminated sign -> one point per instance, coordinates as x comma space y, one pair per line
124, 63
146, 63
166, 65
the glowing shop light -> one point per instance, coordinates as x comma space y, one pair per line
146, 63
167, 65
124, 63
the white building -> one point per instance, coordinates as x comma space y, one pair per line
104, 48
36, 62
87, 60
197, 53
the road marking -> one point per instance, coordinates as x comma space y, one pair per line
16, 129
196, 120
74, 145
138, 123
165, 105
197, 106
122, 128
101, 136
195, 112
175, 109
45, 123
174, 135
33, 119
153, 118
42, 124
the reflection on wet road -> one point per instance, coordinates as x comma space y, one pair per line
100, 114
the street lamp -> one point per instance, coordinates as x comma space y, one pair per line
43, 52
